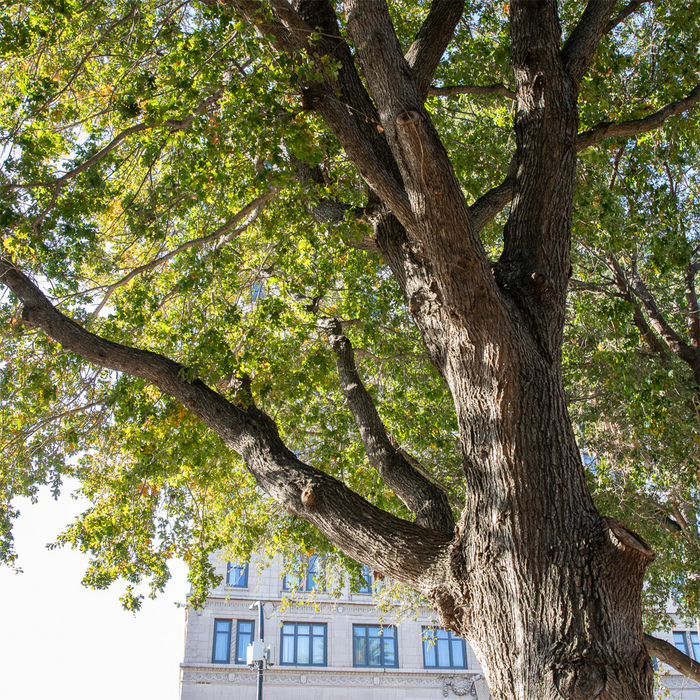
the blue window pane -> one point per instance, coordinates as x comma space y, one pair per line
367, 577
443, 653
312, 575
389, 651
695, 643
287, 650
429, 653
244, 637
303, 649
374, 654
221, 653
458, 660
237, 575
359, 649
679, 641
319, 650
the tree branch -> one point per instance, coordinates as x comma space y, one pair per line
606, 130
174, 124
693, 310
668, 654
494, 89
432, 40
625, 13
492, 202
631, 282
420, 495
395, 547
580, 47
223, 232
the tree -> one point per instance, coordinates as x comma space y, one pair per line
163, 166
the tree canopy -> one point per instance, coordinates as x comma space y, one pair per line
193, 202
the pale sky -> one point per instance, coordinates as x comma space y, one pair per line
61, 640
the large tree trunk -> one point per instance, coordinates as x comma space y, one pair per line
546, 590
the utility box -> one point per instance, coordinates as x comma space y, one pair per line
254, 653
270, 655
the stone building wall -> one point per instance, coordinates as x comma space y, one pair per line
203, 679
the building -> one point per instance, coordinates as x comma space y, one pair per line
327, 647
337, 648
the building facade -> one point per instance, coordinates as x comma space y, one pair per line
337, 648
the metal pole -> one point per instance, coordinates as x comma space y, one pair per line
261, 663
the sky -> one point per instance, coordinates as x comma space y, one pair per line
59, 639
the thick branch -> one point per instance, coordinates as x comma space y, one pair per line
398, 548
606, 130
420, 495
668, 654
352, 118
492, 202
432, 40
495, 89
441, 223
581, 45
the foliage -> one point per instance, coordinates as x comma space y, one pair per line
151, 182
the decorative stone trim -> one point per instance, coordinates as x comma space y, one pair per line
460, 685
473, 685
679, 682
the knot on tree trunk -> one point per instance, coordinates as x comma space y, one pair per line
580, 680
630, 542
309, 496
410, 116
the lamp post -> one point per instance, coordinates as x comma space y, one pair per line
257, 656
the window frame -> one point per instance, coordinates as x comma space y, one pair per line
430, 634
233, 566
227, 634
295, 637
241, 654
307, 582
383, 639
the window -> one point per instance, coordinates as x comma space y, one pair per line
680, 641
305, 575
442, 649
237, 575
245, 630
367, 576
303, 644
695, 644
373, 645
221, 653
